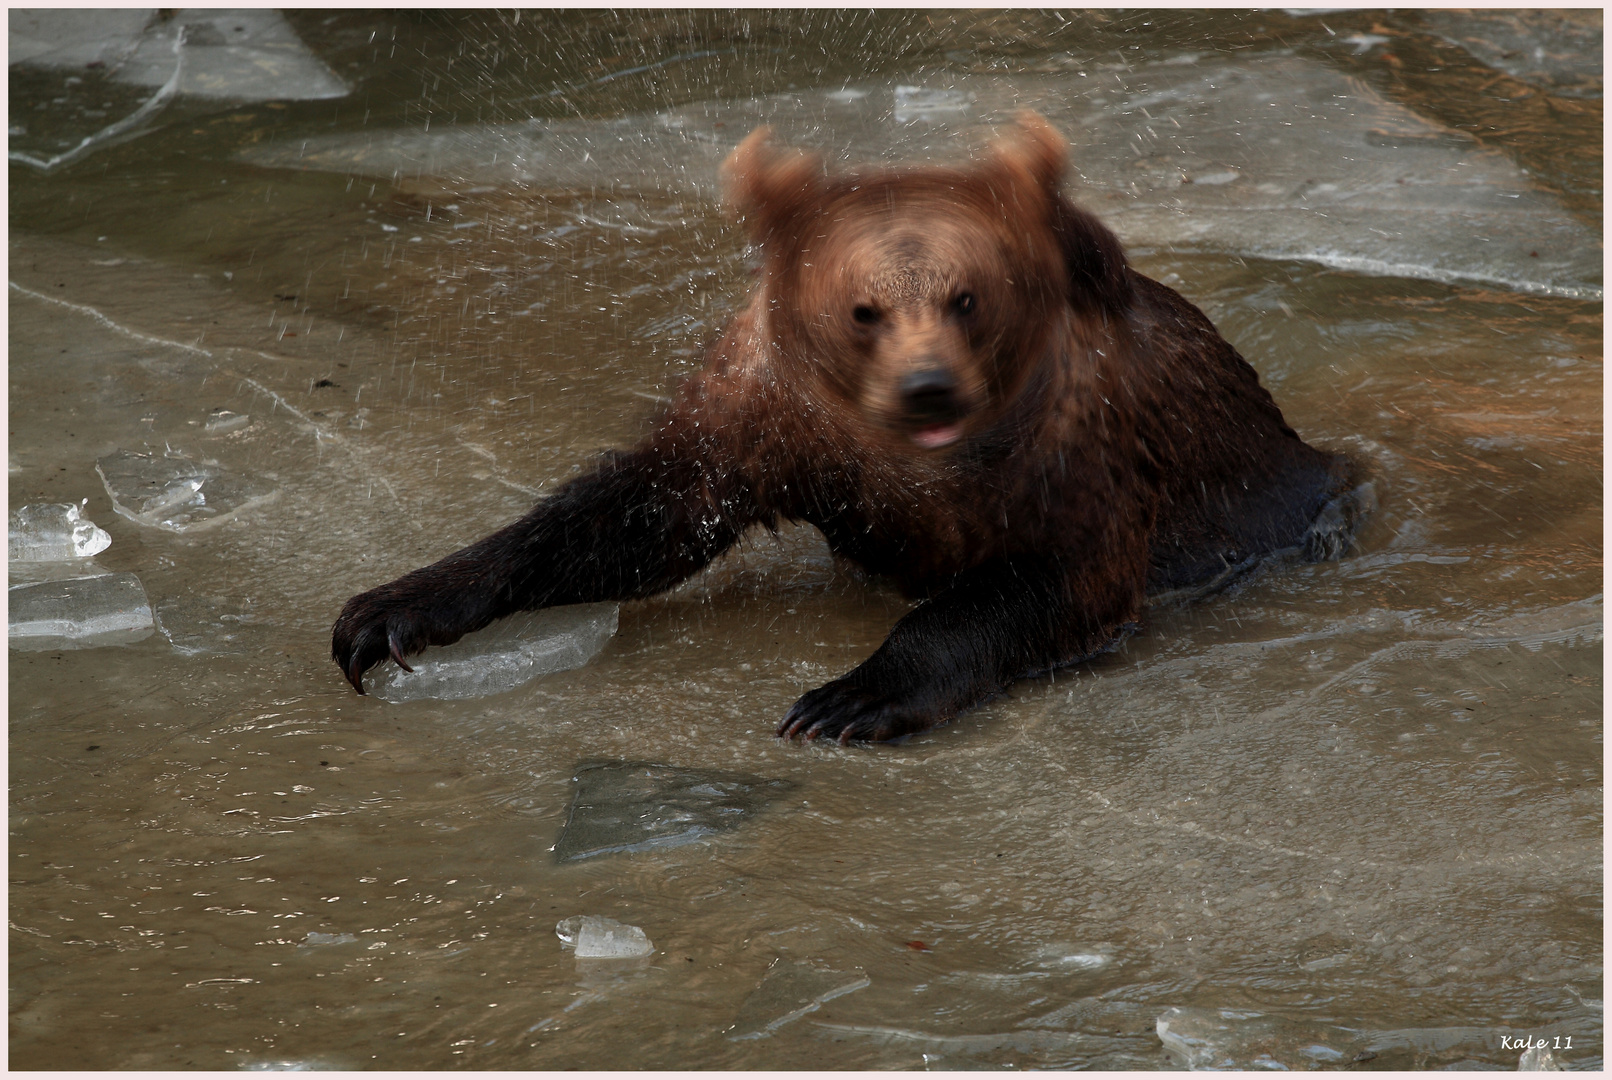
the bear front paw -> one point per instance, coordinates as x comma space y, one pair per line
845, 712
368, 632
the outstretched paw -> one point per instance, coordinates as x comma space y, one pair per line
368, 632
845, 712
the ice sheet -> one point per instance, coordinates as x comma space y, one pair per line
1242, 1039
1559, 51
176, 493
53, 532
1284, 158
78, 613
639, 805
507, 654
73, 37
242, 54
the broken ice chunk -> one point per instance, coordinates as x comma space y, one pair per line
598, 938
639, 806
1538, 1059
175, 493
53, 532
317, 938
221, 420
788, 992
78, 613
501, 657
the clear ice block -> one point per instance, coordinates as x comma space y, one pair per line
598, 938
53, 532
176, 493
79, 613
501, 657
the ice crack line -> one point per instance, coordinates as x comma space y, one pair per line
320, 432
89, 142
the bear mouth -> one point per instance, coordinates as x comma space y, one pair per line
936, 436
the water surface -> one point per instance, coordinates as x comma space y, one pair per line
1353, 806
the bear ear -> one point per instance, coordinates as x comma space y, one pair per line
1034, 158
766, 185
1033, 155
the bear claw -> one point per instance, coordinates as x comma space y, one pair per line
397, 652
847, 713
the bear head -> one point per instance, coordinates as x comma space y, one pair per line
923, 297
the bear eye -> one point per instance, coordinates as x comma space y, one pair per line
864, 315
964, 303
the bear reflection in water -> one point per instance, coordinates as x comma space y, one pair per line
955, 376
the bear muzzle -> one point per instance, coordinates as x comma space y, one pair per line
932, 407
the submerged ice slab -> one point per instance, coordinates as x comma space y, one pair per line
73, 37
78, 613
1283, 158
53, 532
241, 54
1244, 1039
788, 991
597, 938
1556, 50
175, 493
507, 654
640, 805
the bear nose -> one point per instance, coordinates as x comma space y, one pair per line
930, 397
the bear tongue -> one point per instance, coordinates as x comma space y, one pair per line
933, 438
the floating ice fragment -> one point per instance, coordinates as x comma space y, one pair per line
316, 937
285, 1065
53, 532
501, 657
787, 992
175, 493
222, 420
920, 103
1073, 958
78, 613
1538, 1059
598, 938
639, 806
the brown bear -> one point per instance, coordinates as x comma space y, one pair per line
954, 375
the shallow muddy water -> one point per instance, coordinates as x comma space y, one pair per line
1343, 815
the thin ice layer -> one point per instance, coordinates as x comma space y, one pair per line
1280, 157
507, 654
1242, 1039
241, 54
640, 805
176, 493
790, 990
78, 613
